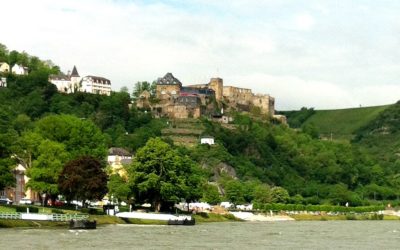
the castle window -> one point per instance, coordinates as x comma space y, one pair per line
163, 92
173, 92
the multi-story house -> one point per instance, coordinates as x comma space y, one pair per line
96, 85
19, 70
4, 67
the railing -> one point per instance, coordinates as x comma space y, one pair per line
10, 216
52, 217
68, 217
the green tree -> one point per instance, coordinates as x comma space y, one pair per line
47, 167
279, 195
3, 53
234, 192
142, 86
161, 176
80, 136
83, 179
262, 194
6, 175
211, 194
118, 187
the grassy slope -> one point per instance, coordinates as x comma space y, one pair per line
343, 122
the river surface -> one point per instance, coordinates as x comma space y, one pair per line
227, 235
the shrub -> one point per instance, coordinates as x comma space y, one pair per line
376, 217
230, 216
123, 209
57, 211
24, 209
351, 217
93, 211
203, 214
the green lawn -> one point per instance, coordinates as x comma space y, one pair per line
341, 123
4, 209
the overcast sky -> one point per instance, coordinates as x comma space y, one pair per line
321, 54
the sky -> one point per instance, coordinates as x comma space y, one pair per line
305, 53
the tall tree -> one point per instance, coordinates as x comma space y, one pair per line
142, 86
83, 179
46, 168
3, 53
80, 136
161, 176
118, 187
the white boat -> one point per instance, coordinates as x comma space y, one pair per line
172, 219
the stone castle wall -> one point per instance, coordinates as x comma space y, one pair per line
265, 102
182, 112
217, 85
174, 99
237, 95
165, 91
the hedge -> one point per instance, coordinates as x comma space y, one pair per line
24, 209
316, 208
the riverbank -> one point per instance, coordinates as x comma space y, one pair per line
248, 216
200, 219
110, 220
311, 217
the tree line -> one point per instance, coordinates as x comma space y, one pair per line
52, 133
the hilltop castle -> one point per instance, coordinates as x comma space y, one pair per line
174, 100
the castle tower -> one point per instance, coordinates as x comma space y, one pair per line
75, 79
168, 86
217, 85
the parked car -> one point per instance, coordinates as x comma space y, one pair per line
78, 203
59, 203
25, 201
6, 201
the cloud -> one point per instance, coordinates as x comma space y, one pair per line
291, 91
321, 55
304, 22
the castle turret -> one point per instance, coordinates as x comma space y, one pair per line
217, 85
75, 79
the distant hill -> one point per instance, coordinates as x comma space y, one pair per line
381, 137
374, 130
339, 123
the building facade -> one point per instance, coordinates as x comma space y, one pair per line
73, 82
66, 83
19, 70
3, 82
96, 85
4, 67
117, 158
19, 191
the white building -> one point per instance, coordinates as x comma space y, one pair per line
117, 158
66, 83
96, 85
207, 140
4, 67
62, 82
3, 82
72, 82
19, 70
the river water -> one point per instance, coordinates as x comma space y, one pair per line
227, 235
